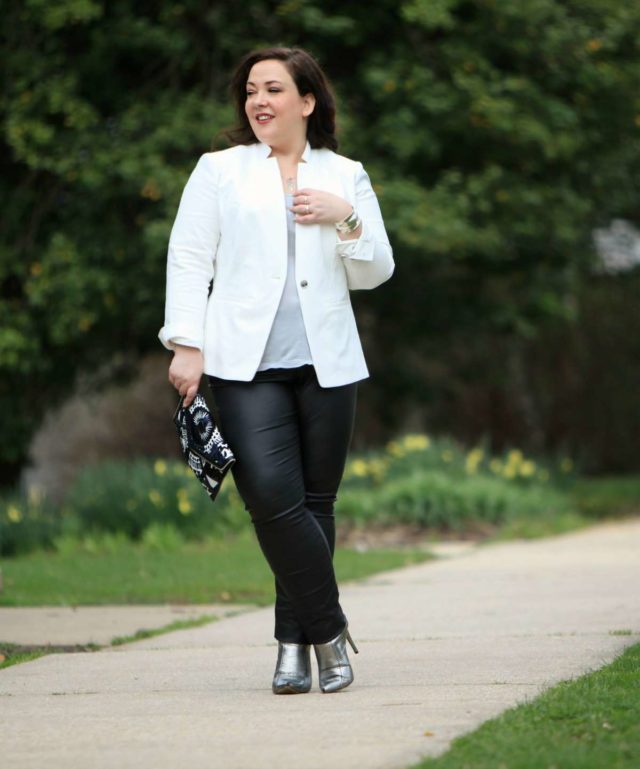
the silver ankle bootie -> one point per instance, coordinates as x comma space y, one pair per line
334, 668
293, 669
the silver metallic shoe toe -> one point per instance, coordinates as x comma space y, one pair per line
334, 668
293, 669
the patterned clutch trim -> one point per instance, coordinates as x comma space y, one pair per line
203, 447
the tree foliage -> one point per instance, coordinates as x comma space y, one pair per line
498, 134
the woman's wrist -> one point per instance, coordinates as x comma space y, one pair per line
349, 224
185, 348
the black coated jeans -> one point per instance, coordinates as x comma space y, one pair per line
290, 438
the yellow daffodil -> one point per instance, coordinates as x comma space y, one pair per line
474, 457
184, 505
155, 497
395, 449
14, 514
378, 469
527, 468
414, 442
359, 468
514, 457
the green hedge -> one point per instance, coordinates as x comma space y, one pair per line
436, 499
439, 484
128, 498
415, 479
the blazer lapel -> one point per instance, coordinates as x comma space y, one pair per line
268, 202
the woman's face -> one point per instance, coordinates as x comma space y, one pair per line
276, 111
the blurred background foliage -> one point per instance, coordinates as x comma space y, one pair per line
497, 134
414, 481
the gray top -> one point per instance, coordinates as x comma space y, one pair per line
287, 345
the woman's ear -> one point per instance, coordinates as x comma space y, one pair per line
309, 104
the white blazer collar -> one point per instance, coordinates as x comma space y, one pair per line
265, 151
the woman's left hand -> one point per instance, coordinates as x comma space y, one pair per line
319, 207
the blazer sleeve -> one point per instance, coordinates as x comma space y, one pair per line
368, 260
191, 258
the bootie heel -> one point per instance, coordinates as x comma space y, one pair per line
293, 669
334, 669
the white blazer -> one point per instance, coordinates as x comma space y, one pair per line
231, 227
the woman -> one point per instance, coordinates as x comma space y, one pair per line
282, 227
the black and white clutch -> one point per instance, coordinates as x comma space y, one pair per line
203, 447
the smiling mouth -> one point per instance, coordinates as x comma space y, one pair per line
264, 118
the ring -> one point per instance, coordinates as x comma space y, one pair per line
308, 209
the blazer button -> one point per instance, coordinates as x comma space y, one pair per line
304, 283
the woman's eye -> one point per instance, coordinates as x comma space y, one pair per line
271, 90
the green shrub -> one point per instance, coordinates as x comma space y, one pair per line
97, 543
436, 483
415, 479
27, 524
162, 537
131, 497
420, 453
436, 499
603, 497
124, 499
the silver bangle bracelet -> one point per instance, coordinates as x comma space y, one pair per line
349, 223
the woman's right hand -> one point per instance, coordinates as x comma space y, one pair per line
186, 370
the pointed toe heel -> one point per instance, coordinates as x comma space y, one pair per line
334, 668
293, 669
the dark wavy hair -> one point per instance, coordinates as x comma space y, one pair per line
308, 77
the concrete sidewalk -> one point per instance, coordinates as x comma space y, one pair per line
443, 646
81, 625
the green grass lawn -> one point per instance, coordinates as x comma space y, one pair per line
232, 569
592, 722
